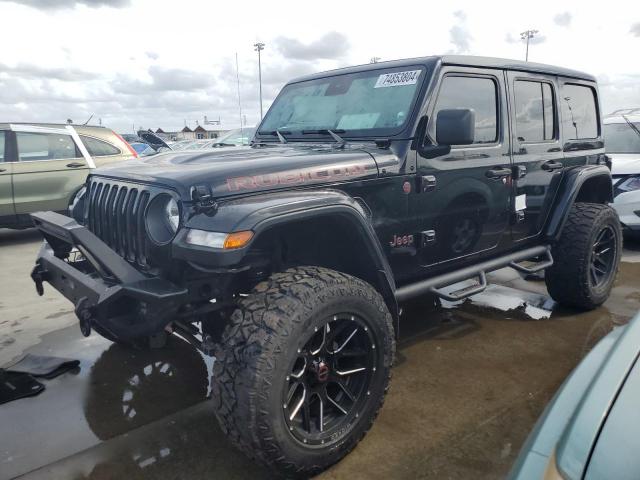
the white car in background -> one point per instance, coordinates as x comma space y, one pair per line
622, 143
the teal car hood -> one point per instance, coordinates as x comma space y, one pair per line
573, 419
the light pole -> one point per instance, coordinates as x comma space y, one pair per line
258, 48
527, 35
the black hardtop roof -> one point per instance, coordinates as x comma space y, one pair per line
459, 60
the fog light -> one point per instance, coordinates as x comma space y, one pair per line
227, 241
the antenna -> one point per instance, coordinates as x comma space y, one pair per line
239, 100
258, 48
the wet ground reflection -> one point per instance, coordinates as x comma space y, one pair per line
474, 377
131, 388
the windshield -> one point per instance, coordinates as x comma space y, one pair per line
237, 136
374, 102
621, 138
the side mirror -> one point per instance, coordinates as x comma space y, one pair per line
455, 126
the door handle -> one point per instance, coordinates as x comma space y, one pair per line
75, 165
3, 170
497, 173
552, 165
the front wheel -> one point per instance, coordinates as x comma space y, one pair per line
586, 257
302, 368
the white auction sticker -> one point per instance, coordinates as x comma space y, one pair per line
397, 79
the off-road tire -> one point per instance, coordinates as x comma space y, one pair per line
568, 280
253, 358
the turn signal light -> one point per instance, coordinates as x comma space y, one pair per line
238, 239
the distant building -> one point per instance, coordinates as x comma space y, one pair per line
187, 133
201, 132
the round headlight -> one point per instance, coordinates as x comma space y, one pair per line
172, 215
162, 219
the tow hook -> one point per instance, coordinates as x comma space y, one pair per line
83, 313
39, 275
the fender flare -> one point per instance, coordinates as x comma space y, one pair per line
262, 212
570, 187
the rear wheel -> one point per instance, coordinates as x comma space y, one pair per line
302, 368
586, 257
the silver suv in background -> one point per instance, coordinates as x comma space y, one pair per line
622, 143
42, 166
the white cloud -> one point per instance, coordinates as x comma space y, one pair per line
331, 45
61, 4
459, 34
135, 63
562, 19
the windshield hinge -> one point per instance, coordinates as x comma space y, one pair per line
203, 200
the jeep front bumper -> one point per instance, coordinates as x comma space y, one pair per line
109, 294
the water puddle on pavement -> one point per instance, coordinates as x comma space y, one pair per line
145, 414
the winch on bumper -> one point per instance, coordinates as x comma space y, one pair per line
109, 294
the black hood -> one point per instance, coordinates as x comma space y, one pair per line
246, 169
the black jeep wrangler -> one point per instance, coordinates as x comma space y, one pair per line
363, 187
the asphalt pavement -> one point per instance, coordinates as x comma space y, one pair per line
469, 383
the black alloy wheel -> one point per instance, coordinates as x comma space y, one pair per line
328, 382
603, 257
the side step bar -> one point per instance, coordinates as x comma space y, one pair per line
435, 284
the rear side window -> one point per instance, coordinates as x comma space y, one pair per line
476, 93
45, 146
2, 135
99, 148
579, 113
535, 118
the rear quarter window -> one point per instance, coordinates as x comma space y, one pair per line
2, 135
579, 112
99, 148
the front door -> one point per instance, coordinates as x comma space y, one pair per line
7, 215
463, 206
48, 171
537, 152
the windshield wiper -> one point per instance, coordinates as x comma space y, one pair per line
631, 124
277, 133
325, 131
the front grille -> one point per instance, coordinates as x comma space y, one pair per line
115, 213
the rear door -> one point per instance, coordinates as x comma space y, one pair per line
49, 169
537, 150
7, 214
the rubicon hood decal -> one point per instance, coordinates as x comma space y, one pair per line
244, 170
297, 177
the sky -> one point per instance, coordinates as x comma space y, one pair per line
158, 63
